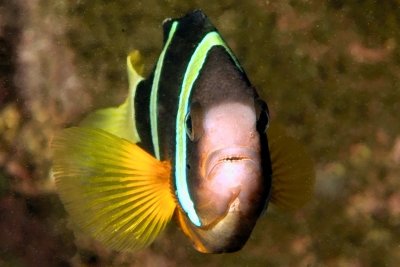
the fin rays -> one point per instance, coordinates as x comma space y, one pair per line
112, 188
293, 174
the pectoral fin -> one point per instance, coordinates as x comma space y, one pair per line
293, 174
112, 189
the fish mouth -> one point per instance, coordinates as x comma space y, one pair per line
231, 176
229, 155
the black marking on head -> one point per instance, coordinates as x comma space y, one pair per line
262, 116
221, 81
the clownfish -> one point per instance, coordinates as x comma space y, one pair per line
192, 141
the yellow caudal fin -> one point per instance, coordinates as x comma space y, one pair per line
293, 174
112, 189
120, 121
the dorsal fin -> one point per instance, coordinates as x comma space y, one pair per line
121, 120
293, 174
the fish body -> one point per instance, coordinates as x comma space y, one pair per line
198, 81
190, 140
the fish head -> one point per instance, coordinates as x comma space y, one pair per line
226, 173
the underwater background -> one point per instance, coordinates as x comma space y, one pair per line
329, 71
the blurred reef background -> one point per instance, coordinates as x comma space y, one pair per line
329, 70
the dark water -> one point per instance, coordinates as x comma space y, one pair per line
329, 71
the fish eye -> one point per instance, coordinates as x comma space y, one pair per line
263, 118
189, 127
